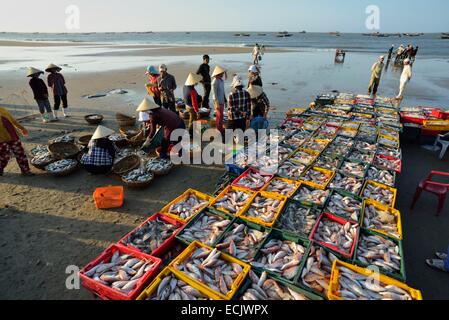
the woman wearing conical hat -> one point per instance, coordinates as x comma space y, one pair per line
40, 92
100, 157
260, 106
191, 98
219, 95
56, 82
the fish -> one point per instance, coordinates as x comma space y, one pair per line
253, 180
377, 219
367, 136
64, 138
232, 202
365, 146
342, 236
61, 165
291, 170
115, 137
42, 158
303, 157
379, 194
318, 269
318, 177
138, 175
308, 195
171, 254
375, 250
367, 157
171, 288
354, 168
346, 183
382, 176
157, 165
316, 145
188, 206
390, 164
391, 152
39, 150
206, 229
388, 142
329, 162
297, 219
351, 125
344, 206
368, 129
297, 140
264, 208
284, 152
282, 187
347, 133
340, 147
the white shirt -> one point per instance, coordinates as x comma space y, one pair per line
406, 73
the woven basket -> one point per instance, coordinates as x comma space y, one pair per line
67, 172
162, 172
138, 185
84, 140
124, 120
126, 165
91, 121
41, 166
63, 150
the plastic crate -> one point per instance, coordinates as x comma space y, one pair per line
366, 166
394, 142
392, 211
397, 170
225, 192
393, 173
188, 253
393, 190
109, 197
312, 153
436, 125
247, 172
107, 293
315, 185
166, 244
233, 168
310, 204
268, 196
297, 233
345, 194
296, 185
334, 283
199, 195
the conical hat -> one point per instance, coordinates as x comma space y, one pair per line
146, 105
32, 71
52, 66
218, 70
102, 132
193, 79
255, 91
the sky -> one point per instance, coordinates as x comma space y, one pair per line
223, 15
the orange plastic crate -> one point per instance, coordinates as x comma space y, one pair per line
109, 197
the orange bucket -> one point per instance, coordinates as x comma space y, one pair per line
109, 197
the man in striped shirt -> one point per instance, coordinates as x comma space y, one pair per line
239, 102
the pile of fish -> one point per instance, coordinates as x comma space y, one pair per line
381, 176
340, 149
354, 168
281, 257
390, 164
344, 206
39, 150
269, 164
65, 138
366, 157
186, 208
253, 180
297, 140
297, 220
241, 160
138, 175
207, 267
367, 136
206, 229
311, 126
348, 133
291, 170
368, 129
42, 158
316, 145
327, 161
336, 234
317, 197
61, 166
121, 272
115, 137
158, 165
318, 177
233, 202
151, 236
347, 183
281, 187
394, 153
328, 130
380, 252
266, 289
173, 289
365, 146
377, 219
304, 157
354, 286
242, 242
264, 208
284, 152
379, 194
388, 142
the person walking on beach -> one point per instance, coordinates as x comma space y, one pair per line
254, 78
56, 82
376, 74
260, 106
219, 96
407, 74
399, 53
191, 98
152, 86
167, 87
204, 71
440, 264
40, 92
239, 103
256, 53
390, 52
10, 143
100, 157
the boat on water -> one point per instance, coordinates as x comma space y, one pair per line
284, 34
445, 37
445, 34
303, 32
413, 34
337, 34
261, 34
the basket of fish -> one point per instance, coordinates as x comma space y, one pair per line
381, 251
65, 138
365, 146
232, 200
318, 178
317, 145
42, 159
253, 180
340, 147
210, 269
351, 125
187, 205
94, 119
329, 162
206, 227
337, 234
354, 168
382, 176
292, 171
391, 152
159, 167
311, 126
119, 140
347, 183
126, 164
360, 156
62, 168
380, 193
311, 197
297, 140
138, 179
167, 286
388, 163
282, 186
243, 239
282, 256
264, 209
63, 150
348, 132
119, 273
262, 287
154, 236
297, 219
304, 156
382, 219
389, 141
349, 282
345, 205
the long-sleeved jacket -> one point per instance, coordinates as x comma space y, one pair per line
191, 97
9, 127
40, 90
56, 82
218, 91
167, 119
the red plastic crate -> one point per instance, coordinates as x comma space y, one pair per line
407, 119
341, 221
437, 113
294, 120
236, 181
107, 293
388, 158
164, 246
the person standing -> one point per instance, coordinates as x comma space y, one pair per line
254, 78
415, 52
191, 98
100, 157
40, 92
10, 143
152, 86
260, 106
256, 53
56, 82
219, 96
167, 87
390, 52
376, 74
399, 53
406, 76
204, 71
239, 103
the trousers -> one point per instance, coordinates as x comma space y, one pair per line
58, 102
15, 148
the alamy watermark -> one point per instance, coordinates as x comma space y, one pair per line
372, 22
73, 19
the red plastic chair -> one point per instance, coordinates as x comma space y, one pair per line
436, 188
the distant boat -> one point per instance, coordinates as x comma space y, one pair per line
237, 34
445, 34
262, 34
187, 32
303, 31
413, 34
337, 34
284, 34
445, 37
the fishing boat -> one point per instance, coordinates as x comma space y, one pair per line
413, 34
337, 34
445, 34
284, 34
261, 34
445, 37
303, 31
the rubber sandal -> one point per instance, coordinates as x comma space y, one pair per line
436, 264
442, 256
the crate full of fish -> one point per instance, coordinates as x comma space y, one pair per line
388, 163
347, 183
304, 156
389, 141
378, 250
292, 171
380, 193
264, 209
155, 236
210, 269
317, 145
318, 178
282, 186
391, 152
382, 219
237, 163
354, 168
361, 156
232, 200
311, 197
349, 282
329, 161
382, 176
297, 219
337, 234
345, 205
253, 180
119, 273
282, 256
186, 206
298, 139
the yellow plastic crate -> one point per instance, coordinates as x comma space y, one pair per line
226, 191
200, 195
314, 153
188, 253
393, 190
295, 111
148, 292
436, 125
397, 213
260, 221
334, 281
288, 181
315, 185
391, 138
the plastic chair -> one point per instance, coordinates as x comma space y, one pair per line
442, 139
436, 188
